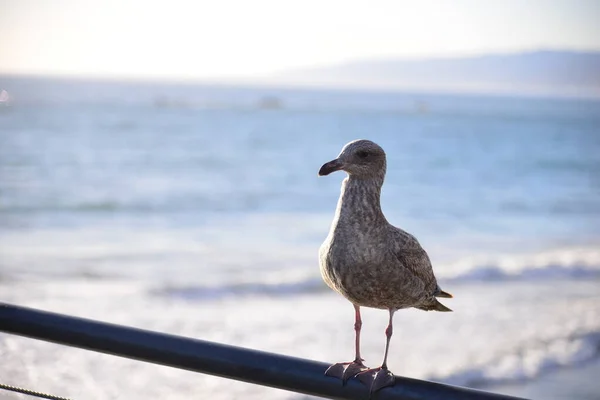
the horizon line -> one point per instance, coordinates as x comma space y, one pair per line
241, 79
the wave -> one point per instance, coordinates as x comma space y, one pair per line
580, 262
529, 361
492, 273
316, 285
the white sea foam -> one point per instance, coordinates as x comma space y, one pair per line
565, 262
227, 259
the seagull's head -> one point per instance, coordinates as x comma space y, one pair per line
359, 158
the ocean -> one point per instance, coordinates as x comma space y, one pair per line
197, 210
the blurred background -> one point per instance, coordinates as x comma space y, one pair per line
158, 168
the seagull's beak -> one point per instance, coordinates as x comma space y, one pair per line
330, 167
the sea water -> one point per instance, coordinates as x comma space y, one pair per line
196, 210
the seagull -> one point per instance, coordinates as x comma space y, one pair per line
369, 261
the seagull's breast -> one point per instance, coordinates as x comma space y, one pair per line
347, 254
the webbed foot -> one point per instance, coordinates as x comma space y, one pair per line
376, 378
345, 371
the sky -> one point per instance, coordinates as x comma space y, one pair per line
228, 39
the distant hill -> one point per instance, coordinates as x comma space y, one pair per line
538, 72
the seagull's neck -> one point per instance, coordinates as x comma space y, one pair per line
360, 201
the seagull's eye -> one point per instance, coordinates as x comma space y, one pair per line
362, 153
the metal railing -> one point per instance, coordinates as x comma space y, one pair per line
267, 369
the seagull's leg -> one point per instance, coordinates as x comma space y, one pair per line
378, 378
388, 334
357, 365
347, 370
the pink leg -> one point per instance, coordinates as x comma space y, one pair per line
357, 327
378, 378
347, 370
388, 334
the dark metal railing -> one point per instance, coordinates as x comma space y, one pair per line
274, 370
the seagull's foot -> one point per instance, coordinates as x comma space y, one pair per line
376, 378
345, 371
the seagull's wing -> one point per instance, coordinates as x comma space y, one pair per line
414, 258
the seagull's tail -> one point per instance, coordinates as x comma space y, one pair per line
434, 306
443, 294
